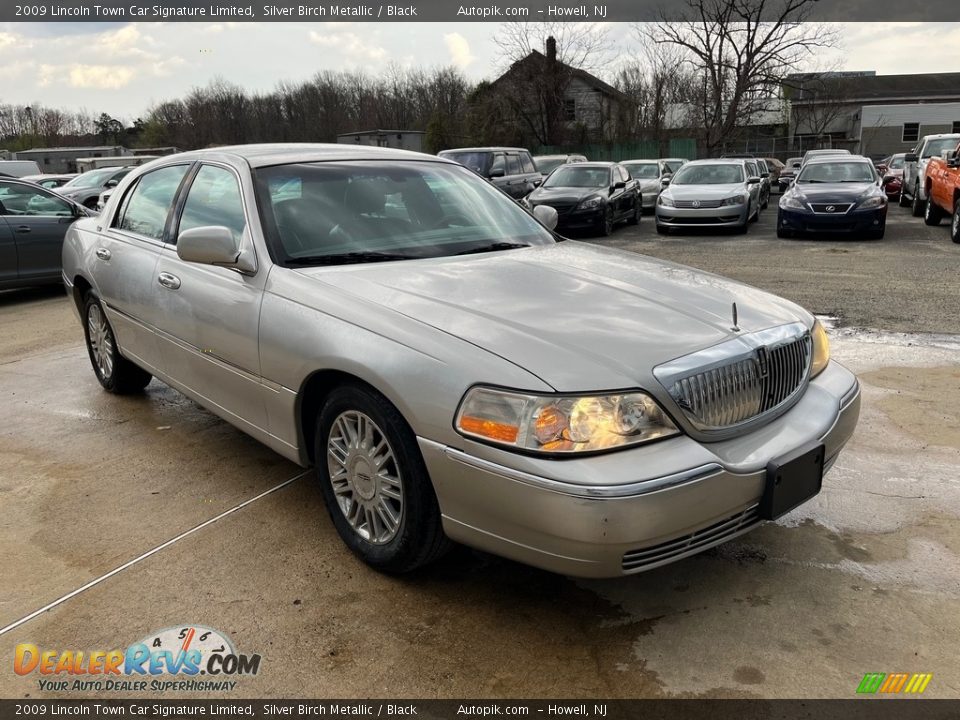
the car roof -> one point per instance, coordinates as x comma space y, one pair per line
646, 161
595, 163
825, 159
718, 161
940, 136
266, 154
484, 149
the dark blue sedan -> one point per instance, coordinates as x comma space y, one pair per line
833, 195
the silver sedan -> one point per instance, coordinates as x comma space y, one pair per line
452, 369
709, 194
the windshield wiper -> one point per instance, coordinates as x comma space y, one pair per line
492, 247
348, 258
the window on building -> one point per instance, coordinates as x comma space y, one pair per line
570, 109
911, 132
956, 126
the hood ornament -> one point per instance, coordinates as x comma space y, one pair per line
736, 327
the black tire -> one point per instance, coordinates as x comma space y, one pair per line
114, 372
917, 205
784, 234
662, 229
877, 233
607, 222
932, 215
419, 537
902, 199
756, 216
634, 218
955, 222
741, 229
766, 202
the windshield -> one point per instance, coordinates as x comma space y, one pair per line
672, 165
547, 165
476, 161
935, 148
573, 176
896, 163
709, 174
837, 172
643, 171
367, 211
93, 178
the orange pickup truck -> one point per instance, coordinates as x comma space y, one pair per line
943, 192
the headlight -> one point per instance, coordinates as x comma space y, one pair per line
562, 424
665, 200
873, 202
591, 202
790, 202
821, 349
734, 200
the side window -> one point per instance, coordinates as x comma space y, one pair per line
513, 165
22, 200
527, 162
147, 206
498, 165
624, 175
214, 199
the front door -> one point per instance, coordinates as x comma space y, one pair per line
37, 220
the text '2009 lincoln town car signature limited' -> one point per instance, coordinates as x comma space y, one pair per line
452, 369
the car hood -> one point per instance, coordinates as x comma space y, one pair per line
578, 316
705, 192
835, 192
564, 194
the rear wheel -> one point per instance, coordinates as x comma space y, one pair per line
374, 482
955, 222
114, 372
916, 207
932, 215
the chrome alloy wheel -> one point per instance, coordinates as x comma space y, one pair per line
101, 340
365, 477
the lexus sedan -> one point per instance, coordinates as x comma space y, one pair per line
592, 195
649, 174
452, 369
709, 194
834, 194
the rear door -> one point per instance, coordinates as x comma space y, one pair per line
125, 259
8, 255
37, 220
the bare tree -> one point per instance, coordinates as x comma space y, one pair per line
817, 100
580, 45
740, 51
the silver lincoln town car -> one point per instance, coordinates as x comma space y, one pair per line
452, 368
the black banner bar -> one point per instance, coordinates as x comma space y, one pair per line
435, 11
864, 708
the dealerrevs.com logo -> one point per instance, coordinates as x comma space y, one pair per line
183, 658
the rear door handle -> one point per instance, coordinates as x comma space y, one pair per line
168, 280
23, 228
103, 253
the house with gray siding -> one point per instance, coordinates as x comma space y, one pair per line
64, 159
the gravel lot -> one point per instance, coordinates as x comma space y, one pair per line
862, 579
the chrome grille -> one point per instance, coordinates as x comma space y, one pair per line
744, 385
655, 555
835, 208
692, 204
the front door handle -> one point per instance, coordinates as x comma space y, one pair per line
103, 253
168, 280
23, 228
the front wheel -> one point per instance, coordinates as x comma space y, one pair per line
955, 222
877, 233
374, 482
932, 215
607, 223
634, 218
902, 199
916, 207
662, 229
114, 372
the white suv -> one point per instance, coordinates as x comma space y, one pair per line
913, 191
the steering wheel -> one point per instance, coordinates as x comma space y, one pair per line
445, 220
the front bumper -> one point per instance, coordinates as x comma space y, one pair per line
856, 221
633, 510
581, 218
726, 216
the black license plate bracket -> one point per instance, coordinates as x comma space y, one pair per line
791, 480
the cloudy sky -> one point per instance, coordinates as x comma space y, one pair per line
124, 69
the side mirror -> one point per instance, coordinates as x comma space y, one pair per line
547, 216
496, 173
112, 183
911, 157
795, 166
665, 180
753, 180
953, 162
619, 185
212, 245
